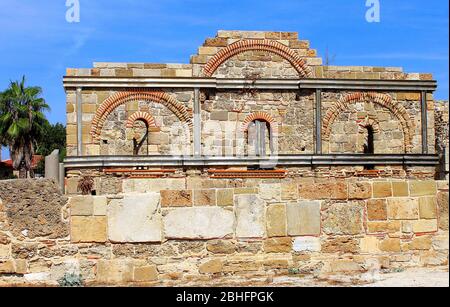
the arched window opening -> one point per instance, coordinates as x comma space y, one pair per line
259, 138
140, 137
369, 147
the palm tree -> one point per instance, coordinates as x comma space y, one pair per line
21, 123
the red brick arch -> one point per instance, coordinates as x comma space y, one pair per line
261, 116
111, 103
381, 99
144, 116
260, 45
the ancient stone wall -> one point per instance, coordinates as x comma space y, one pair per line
182, 230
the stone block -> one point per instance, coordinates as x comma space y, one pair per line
225, 197
244, 191
400, 189
307, 244
377, 209
420, 243
344, 219
176, 198
289, 191
145, 274
219, 115
337, 190
382, 189
114, 271
100, 203
135, 219
81, 205
425, 226
441, 243
442, 201
270, 192
341, 245
403, 208
391, 245
384, 227
250, 211
276, 220
303, 218
278, 245
369, 245
428, 207
7, 267
211, 267
221, 247
198, 223
5, 251
205, 197
359, 190
88, 229
340, 266
423, 188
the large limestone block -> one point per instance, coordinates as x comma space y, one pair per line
307, 244
198, 223
423, 188
81, 205
276, 220
303, 218
153, 185
403, 208
88, 229
136, 218
270, 191
114, 271
250, 216
344, 219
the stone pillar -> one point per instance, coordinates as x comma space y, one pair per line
79, 123
52, 166
197, 124
62, 177
424, 109
318, 122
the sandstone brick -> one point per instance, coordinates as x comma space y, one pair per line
145, 274
176, 198
211, 267
216, 42
423, 188
114, 271
7, 267
99, 205
303, 218
382, 189
289, 191
369, 245
441, 242
276, 220
391, 245
428, 207
241, 191
225, 197
442, 200
359, 190
331, 190
221, 247
421, 243
403, 208
344, 219
340, 266
278, 245
425, 226
205, 197
88, 229
340, 245
384, 227
400, 189
21, 266
377, 209
81, 206
5, 251
270, 191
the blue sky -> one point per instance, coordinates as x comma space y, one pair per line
36, 40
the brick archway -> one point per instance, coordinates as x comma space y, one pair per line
262, 116
144, 116
381, 99
260, 45
110, 104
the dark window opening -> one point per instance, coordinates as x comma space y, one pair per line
369, 147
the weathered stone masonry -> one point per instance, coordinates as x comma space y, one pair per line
255, 159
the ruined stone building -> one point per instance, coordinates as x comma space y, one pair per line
253, 158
